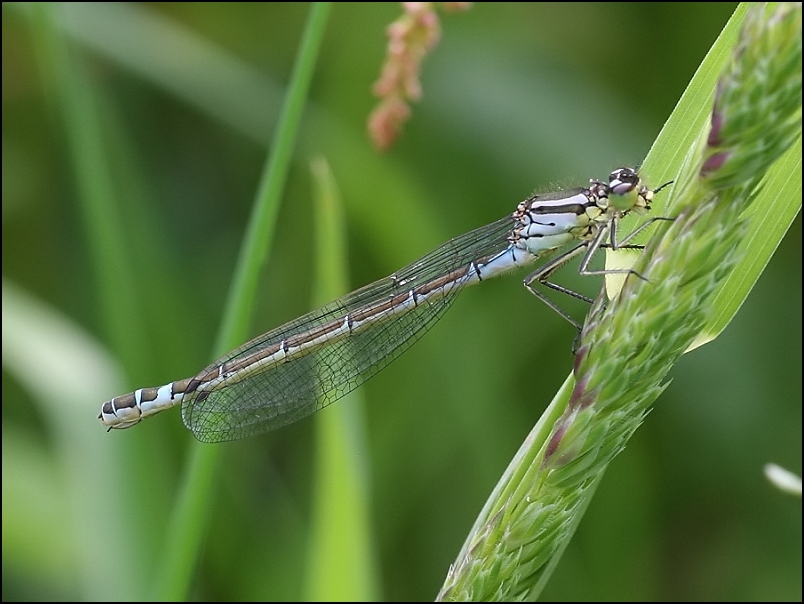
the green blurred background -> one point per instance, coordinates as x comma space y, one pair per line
517, 98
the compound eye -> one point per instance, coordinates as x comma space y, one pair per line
622, 181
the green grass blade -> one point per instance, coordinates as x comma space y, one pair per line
340, 559
186, 529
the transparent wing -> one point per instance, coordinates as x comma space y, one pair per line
301, 385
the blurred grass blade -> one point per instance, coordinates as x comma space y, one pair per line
191, 514
52, 357
340, 560
80, 113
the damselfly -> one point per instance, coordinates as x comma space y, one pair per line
298, 368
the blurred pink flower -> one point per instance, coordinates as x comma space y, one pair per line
410, 38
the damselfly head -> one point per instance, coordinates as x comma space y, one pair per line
623, 180
626, 191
